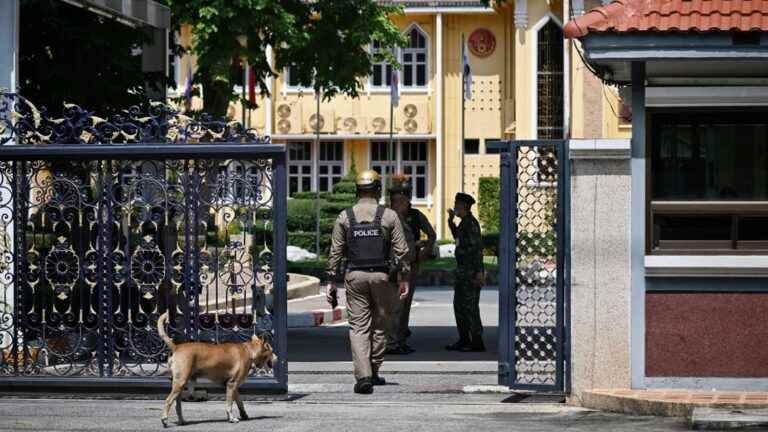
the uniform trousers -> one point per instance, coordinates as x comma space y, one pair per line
371, 302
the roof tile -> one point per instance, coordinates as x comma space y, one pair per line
623, 16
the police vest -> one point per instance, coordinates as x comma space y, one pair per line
367, 249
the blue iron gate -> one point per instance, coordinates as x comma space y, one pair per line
106, 224
534, 258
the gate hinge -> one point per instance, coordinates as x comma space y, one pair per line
503, 370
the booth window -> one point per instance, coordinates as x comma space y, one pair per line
709, 183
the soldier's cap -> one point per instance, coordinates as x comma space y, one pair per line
400, 184
465, 198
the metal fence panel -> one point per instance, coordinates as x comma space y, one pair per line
533, 284
106, 225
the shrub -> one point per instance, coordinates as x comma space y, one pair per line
347, 199
491, 244
332, 209
302, 239
345, 187
304, 195
489, 203
301, 215
536, 244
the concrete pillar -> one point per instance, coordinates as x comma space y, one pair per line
600, 266
638, 225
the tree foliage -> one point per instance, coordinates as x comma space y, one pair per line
325, 42
69, 54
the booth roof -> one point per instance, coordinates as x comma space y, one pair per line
667, 16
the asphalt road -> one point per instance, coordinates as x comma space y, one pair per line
427, 391
432, 325
321, 413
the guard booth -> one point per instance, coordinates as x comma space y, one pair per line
534, 258
105, 224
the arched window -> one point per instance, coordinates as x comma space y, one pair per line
382, 71
549, 81
415, 59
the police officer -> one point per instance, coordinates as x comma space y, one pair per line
470, 276
372, 240
415, 223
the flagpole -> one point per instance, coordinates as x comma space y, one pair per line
390, 146
463, 97
394, 97
316, 174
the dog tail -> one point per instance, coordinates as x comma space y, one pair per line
161, 331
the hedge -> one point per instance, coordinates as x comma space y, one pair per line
347, 199
345, 187
301, 215
491, 244
489, 203
304, 240
536, 244
304, 195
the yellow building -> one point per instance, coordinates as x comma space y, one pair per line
527, 82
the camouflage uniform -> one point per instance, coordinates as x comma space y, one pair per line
466, 292
414, 223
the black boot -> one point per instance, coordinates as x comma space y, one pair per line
477, 345
458, 346
378, 381
364, 386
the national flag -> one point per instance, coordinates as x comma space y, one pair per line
251, 86
394, 86
188, 88
467, 72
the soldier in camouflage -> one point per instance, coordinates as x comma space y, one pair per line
470, 276
415, 223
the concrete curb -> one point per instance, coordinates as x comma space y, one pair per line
316, 318
306, 288
723, 419
626, 405
650, 407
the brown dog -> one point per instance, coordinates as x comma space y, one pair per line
227, 364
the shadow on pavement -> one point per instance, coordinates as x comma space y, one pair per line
331, 344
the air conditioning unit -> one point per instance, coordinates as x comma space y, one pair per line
413, 118
353, 125
288, 118
325, 122
379, 125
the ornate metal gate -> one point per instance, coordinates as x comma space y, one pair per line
106, 224
533, 315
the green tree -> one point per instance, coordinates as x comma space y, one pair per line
324, 42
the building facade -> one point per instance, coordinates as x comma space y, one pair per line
526, 83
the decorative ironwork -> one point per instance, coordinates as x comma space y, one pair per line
534, 282
96, 245
23, 123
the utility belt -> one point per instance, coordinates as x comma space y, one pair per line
377, 269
